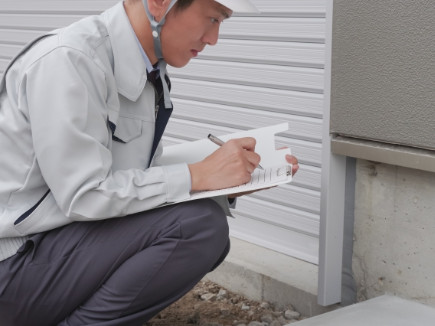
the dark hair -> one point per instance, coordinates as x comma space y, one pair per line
182, 4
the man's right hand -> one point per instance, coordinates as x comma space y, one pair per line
230, 165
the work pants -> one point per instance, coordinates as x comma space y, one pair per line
119, 271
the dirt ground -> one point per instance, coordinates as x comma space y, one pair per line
208, 304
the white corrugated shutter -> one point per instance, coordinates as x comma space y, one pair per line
266, 69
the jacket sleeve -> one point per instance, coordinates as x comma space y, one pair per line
65, 93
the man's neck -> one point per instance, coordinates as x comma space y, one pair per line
139, 21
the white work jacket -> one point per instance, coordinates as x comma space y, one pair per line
59, 162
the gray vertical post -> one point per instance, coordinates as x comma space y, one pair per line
332, 196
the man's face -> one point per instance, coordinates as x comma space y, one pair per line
186, 32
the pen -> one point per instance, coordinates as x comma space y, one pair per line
220, 142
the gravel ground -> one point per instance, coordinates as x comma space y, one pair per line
208, 304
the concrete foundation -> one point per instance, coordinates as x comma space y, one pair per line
394, 237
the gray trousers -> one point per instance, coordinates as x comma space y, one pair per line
119, 271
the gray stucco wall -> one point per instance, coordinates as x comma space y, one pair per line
383, 71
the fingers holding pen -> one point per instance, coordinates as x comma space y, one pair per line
246, 143
242, 151
230, 165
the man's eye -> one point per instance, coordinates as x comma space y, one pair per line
214, 20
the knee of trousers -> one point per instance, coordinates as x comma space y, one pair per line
207, 223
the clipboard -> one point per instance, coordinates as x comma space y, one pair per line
276, 169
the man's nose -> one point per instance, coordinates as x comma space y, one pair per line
211, 36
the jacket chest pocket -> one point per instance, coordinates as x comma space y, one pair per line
133, 115
134, 134
127, 129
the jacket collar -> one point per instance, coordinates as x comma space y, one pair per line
129, 65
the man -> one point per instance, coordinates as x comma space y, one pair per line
86, 235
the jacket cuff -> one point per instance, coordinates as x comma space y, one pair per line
178, 182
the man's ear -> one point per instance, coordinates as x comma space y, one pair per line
158, 8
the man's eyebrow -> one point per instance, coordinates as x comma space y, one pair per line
225, 14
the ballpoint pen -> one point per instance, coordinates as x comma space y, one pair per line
220, 142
